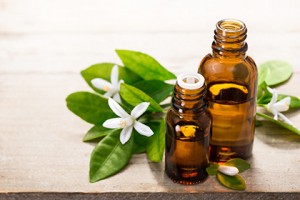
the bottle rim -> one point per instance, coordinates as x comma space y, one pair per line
231, 25
190, 81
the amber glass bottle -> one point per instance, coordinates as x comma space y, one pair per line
188, 131
231, 79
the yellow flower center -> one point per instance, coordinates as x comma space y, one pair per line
123, 123
106, 88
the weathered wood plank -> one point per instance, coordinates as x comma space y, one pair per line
115, 16
64, 36
61, 53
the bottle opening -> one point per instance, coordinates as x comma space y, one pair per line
231, 25
190, 81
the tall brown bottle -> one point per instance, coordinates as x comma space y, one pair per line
188, 131
231, 78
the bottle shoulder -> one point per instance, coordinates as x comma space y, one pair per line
249, 60
224, 69
210, 59
173, 116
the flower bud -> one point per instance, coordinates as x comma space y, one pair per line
228, 170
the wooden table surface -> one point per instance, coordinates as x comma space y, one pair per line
43, 46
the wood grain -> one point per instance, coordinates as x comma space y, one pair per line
44, 45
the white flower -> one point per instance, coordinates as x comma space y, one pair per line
112, 89
276, 107
228, 170
128, 122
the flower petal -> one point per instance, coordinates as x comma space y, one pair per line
113, 123
108, 94
117, 109
117, 97
125, 134
283, 104
276, 115
114, 76
143, 129
119, 84
101, 84
270, 105
274, 97
139, 110
285, 119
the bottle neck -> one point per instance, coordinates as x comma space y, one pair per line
229, 39
189, 101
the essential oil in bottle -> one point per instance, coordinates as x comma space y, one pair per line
188, 131
231, 78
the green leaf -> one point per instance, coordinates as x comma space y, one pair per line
134, 96
274, 72
89, 107
212, 169
140, 143
280, 123
156, 143
156, 89
295, 101
103, 70
97, 132
109, 156
233, 182
144, 65
262, 74
264, 96
239, 163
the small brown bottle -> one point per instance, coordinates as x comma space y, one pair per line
188, 131
231, 79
